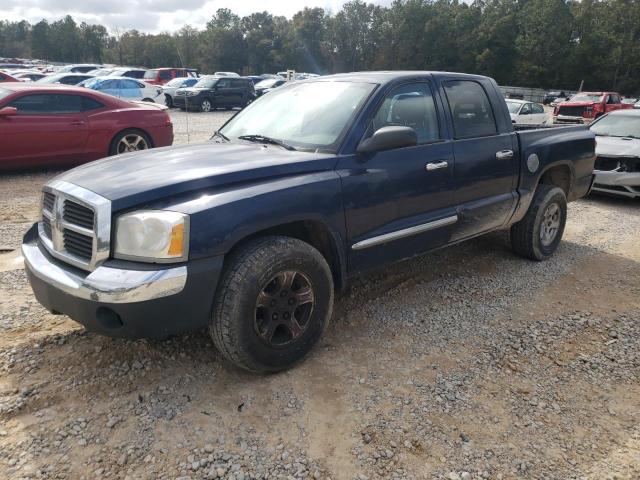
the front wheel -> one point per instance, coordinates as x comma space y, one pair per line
272, 305
168, 101
205, 105
538, 234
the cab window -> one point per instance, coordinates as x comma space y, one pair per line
412, 106
47, 104
470, 108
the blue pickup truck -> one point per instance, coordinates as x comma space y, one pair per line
249, 234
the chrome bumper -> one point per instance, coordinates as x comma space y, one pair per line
626, 184
105, 284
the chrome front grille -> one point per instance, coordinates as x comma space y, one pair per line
76, 224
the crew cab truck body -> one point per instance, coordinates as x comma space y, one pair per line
585, 107
250, 233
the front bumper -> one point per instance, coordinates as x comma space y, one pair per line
124, 299
572, 120
625, 184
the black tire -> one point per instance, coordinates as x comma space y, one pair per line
532, 237
114, 145
149, 100
168, 101
237, 319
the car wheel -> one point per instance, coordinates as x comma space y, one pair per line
129, 141
272, 305
538, 234
168, 101
205, 105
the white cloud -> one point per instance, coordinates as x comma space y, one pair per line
153, 15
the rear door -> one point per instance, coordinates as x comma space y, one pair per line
223, 93
400, 202
486, 156
110, 87
48, 129
131, 89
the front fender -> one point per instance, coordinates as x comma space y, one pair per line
222, 218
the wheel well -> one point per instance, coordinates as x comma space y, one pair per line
312, 232
559, 176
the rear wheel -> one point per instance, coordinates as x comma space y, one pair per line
205, 105
273, 304
129, 141
539, 233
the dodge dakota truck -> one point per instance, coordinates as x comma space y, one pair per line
250, 233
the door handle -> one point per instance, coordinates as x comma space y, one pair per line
436, 166
504, 155
78, 123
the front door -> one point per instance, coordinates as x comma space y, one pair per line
486, 160
399, 203
48, 129
223, 94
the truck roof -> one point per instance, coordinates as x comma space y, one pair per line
390, 76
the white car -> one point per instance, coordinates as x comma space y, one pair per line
125, 88
527, 113
226, 74
169, 89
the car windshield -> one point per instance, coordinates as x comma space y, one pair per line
309, 115
150, 74
269, 82
513, 106
586, 97
206, 82
618, 126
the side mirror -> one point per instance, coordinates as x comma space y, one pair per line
8, 111
387, 138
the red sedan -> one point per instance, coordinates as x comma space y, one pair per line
46, 125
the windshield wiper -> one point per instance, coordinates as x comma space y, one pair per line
221, 135
265, 139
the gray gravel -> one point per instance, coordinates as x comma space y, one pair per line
465, 364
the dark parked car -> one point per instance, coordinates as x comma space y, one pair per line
551, 96
269, 84
215, 92
250, 233
65, 78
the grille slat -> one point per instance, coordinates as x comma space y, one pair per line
48, 200
46, 224
77, 244
78, 214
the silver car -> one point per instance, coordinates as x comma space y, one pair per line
617, 165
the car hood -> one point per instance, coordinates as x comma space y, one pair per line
142, 177
577, 104
617, 146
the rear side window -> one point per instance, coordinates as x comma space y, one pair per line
537, 108
223, 83
412, 106
90, 104
47, 104
165, 74
470, 108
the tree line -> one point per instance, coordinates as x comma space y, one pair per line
531, 43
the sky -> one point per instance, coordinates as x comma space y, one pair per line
152, 16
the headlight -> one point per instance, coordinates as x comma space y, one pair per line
152, 236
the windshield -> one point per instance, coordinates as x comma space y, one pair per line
513, 106
51, 78
150, 74
269, 82
311, 115
618, 126
586, 97
206, 82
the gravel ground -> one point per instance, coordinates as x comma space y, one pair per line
466, 363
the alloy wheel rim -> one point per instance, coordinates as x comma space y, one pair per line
132, 143
283, 308
550, 224
206, 106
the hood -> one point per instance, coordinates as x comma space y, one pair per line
577, 104
142, 177
617, 146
